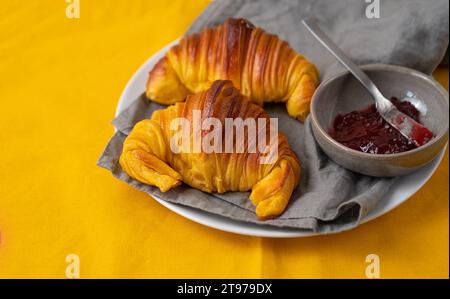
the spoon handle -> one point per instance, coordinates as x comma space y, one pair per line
352, 67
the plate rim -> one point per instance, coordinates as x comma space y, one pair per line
260, 230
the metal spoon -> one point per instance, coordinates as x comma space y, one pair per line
407, 126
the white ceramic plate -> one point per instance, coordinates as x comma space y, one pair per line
399, 192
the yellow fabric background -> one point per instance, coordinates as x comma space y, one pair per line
60, 80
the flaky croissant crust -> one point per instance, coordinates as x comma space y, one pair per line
261, 65
147, 156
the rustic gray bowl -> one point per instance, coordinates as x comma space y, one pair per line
342, 93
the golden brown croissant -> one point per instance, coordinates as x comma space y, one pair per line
261, 65
148, 155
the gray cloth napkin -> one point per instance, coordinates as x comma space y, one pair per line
411, 33
329, 197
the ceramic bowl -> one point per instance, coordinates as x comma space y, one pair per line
342, 93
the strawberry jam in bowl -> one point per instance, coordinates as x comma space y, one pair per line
366, 131
352, 133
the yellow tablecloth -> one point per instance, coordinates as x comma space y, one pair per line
60, 82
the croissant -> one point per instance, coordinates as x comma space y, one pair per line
148, 155
263, 67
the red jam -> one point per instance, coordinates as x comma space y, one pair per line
368, 132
